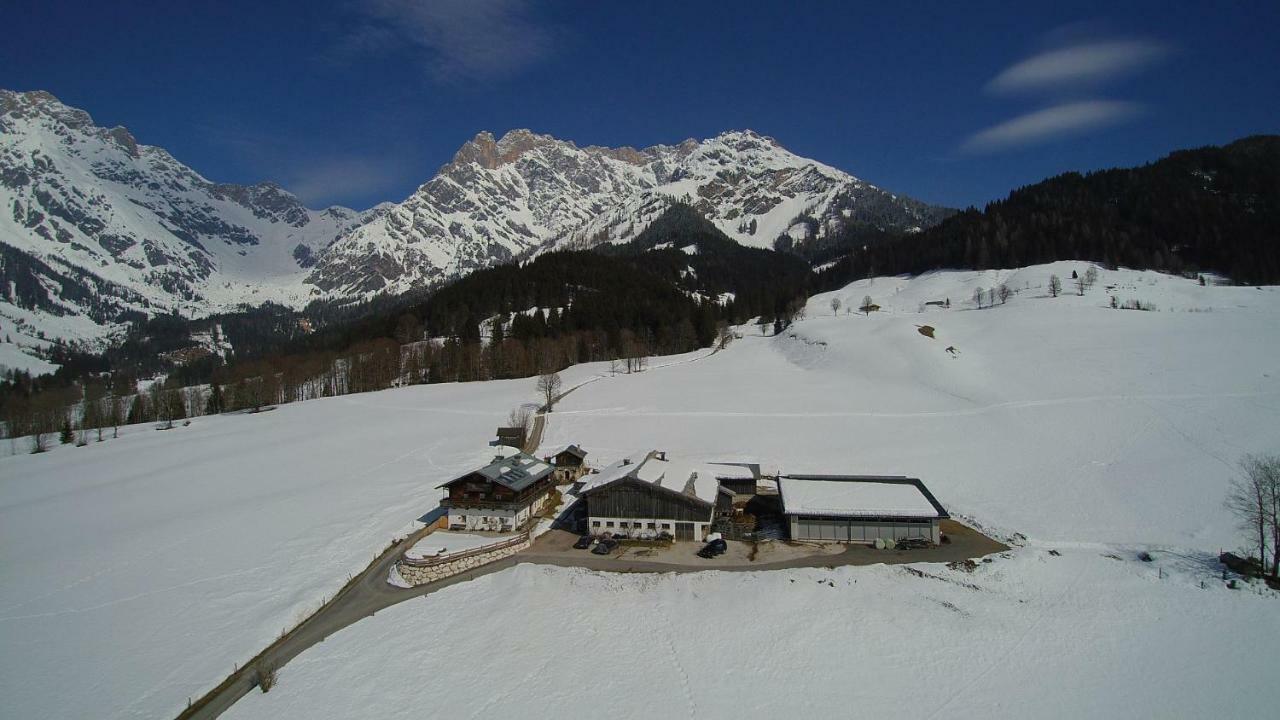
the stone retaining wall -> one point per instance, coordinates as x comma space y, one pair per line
423, 572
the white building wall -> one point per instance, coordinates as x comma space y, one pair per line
598, 524
493, 519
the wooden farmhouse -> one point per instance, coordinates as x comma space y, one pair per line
859, 508
570, 463
502, 496
646, 495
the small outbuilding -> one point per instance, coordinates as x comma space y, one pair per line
569, 461
510, 437
859, 508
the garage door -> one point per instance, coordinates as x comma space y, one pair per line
684, 531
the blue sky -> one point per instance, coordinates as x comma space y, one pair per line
360, 101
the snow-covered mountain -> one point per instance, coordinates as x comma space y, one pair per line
96, 228
499, 199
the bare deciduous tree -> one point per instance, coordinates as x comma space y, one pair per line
835, 306
1055, 285
1091, 276
548, 387
1004, 293
867, 305
1254, 498
521, 416
978, 294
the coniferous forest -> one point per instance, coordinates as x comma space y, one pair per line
1213, 209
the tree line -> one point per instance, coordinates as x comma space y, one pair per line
1212, 209
517, 320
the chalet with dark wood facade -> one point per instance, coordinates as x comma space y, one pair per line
570, 463
502, 496
646, 495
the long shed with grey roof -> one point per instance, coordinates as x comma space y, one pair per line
859, 508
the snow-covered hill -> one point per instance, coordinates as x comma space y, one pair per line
1096, 433
96, 227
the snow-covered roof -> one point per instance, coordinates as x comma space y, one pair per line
573, 449
693, 479
857, 496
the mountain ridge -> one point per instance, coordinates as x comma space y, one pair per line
100, 229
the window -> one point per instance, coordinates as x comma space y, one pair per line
595, 523
651, 525
609, 524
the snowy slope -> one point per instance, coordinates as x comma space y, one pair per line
1092, 431
1096, 432
135, 572
1058, 417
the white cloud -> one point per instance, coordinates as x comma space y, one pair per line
1080, 65
458, 39
330, 180
1052, 123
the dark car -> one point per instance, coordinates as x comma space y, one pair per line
604, 547
583, 542
713, 549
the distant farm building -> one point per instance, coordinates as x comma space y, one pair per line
570, 463
859, 509
510, 437
647, 495
502, 496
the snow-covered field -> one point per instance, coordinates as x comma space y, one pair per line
135, 572
1036, 636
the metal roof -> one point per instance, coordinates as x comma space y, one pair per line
813, 499
516, 471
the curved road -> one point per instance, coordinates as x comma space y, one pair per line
362, 597
369, 592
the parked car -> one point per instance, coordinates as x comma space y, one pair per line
583, 542
604, 546
713, 549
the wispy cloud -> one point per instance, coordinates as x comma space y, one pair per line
1052, 123
320, 176
1064, 77
1083, 65
327, 181
457, 40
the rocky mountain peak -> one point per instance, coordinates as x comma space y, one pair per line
41, 103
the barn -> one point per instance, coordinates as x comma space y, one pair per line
859, 508
646, 495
